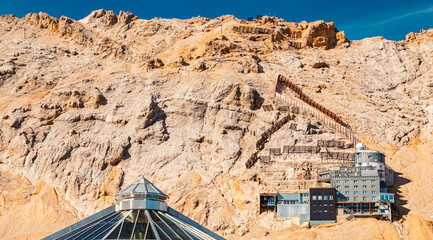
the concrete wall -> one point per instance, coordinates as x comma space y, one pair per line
293, 210
320, 222
389, 176
303, 218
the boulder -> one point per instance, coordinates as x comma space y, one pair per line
199, 66
7, 69
319, 63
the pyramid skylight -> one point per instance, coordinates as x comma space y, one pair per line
140, 213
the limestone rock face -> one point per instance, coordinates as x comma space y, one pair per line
103, 18
88, 106
321, 35
44, 21
422, 35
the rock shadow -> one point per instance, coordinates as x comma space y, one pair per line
398, 208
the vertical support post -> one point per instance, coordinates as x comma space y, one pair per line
221, 29
390, 212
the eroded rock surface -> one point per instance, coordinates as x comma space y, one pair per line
88, 106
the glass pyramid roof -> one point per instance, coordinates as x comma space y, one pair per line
141, 188
118, 223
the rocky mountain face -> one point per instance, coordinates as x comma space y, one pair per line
88, 106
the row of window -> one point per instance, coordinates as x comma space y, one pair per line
320, 206
325, 210
355, 181
387, 197
289, 202
356, 192
356, 198
356, 186
322, 197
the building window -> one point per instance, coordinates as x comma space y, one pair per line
373, 198
373, 186
364, 198
391, 197
271, 201
364, 192
355, 199
356, 192
325, 197
355, 186
313, 197
347, 192
373, 180
355, 181
331, 197
346, 186
338, 181
364, 180
373, 192
346, 181
319, 197
364, 186
338, 186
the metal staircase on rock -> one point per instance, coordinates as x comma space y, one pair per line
304, 102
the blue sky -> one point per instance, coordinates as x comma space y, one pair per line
392, 19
